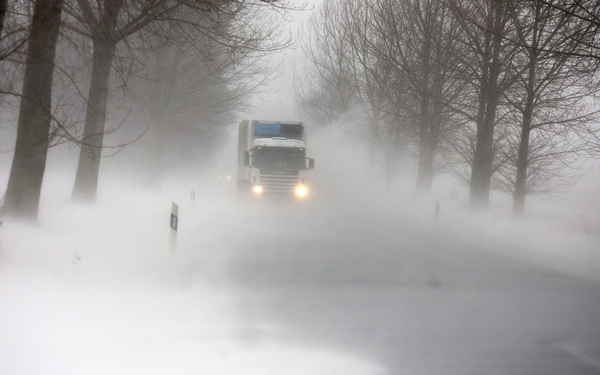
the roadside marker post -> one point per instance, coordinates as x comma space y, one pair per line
174, 224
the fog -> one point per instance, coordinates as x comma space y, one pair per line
362, 277
287, 287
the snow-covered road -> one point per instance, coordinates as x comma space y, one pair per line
281, 288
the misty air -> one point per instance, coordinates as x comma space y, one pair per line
299, 187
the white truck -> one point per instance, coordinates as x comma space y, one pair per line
272, 158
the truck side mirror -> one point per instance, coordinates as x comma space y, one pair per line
311, 163
246, 160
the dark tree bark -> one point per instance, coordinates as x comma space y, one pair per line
489, 97
109, 22
523, 156
425, 163
552, 89
522, 164
105, 37
86, 179
29, 162
436, 32
3, 9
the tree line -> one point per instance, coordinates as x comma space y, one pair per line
189, 65
501, 93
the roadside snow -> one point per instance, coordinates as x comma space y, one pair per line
99, 290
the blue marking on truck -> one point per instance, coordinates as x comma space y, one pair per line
267, 128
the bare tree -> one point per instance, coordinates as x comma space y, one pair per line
326, 87
394, 60
585, 36
13, 34
550, 97
15, 30
109, 22
418, 43
29, 162
380, 88
462, 76
192, 88
488, 64
3, 10
343, 79
587, 12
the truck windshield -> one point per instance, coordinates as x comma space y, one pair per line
278, 158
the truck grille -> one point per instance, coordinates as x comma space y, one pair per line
278, 183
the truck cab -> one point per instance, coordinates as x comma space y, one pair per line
272, 158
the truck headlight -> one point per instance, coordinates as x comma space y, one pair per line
301, 191
257, 189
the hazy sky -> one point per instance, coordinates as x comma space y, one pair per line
278, 104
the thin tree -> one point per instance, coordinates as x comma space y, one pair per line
391, 60
3, 10
550, 95
419, 42
192, 89
587, 12
15, 29
489, 67
381, 86
107, 23
29, 162
325, 90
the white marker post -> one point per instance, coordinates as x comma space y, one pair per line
173, 224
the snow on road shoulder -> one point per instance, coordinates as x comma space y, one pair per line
552, 234
51, 326
98, 290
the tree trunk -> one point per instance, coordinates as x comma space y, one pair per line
425, 169
3, 9
29, 161
425, 163
481, 172
522, 163
523, 158
86, 179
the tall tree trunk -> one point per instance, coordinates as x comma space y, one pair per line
425, 169
434, 124
425, 163
86, 179
481, 171
29, 161
3, 10
523, 157
522, 164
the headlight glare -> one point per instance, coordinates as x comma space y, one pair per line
301, 191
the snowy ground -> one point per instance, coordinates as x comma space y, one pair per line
100, 289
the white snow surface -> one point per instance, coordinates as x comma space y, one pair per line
99, 289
